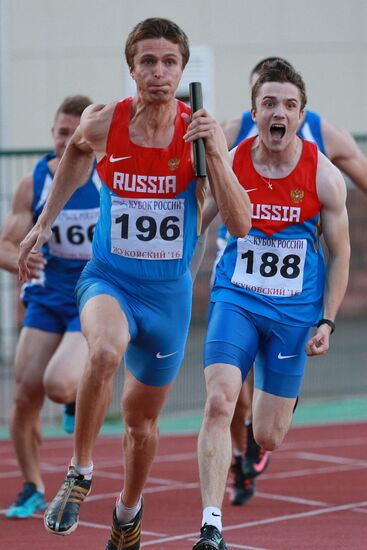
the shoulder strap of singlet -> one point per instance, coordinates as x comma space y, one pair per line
311, 130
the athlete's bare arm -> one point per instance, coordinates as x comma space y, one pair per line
74, 168
334, 222
211, 208
17, 224
344, 152
231, 129
94, 126
230, 197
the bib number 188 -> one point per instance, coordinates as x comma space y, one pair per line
269, 264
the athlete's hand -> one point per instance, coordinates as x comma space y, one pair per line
36, 265
202, 125
318, 344
29, 252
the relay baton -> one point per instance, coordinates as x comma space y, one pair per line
196, 100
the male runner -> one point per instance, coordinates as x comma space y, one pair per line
269, 287
51, 350
249, 459
135, 294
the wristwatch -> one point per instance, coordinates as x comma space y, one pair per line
327, 322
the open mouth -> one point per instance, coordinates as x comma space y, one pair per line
277, 130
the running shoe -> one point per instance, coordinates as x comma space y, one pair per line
256, 458
29, 501
125, 537
210, 539
69, 417
62, 515
243, 488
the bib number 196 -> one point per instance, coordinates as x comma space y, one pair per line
147, 228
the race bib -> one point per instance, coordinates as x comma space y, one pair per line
72, 234
147, 229
270, 266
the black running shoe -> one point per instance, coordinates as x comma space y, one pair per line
125, 537
210, 539
243, 488
62, 515
256, 458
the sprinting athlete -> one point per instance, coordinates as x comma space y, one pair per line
249, 459
51, 351
271, 286
135, 294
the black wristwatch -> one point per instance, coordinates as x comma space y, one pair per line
327, 322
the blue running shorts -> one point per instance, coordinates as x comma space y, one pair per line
158, 314
64, 318
236, 336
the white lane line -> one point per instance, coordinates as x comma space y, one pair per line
287, 498
267, 521
286, 447
330, 458
94, 525
323, 443
277, 519
304, 472
66, 442
148, 490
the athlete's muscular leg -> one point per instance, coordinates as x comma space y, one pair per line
242, 413
141, 406
223, 384
65, 369
271, 417
106, 329
34, 349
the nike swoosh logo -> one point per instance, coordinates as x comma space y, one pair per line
261, 465
249, 190
216, 515
116, 159
280, 356
160, 356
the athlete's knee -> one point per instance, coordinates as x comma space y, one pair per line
60, 390
219, 407
269, 436
104, 360
141, 431
29, 396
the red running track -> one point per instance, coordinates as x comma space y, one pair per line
313, 496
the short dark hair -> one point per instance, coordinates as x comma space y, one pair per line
156, 27
279, 71
258, 65
73, 105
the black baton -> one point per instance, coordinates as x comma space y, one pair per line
196, 100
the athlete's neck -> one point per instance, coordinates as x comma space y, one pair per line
151, 124
276, 164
